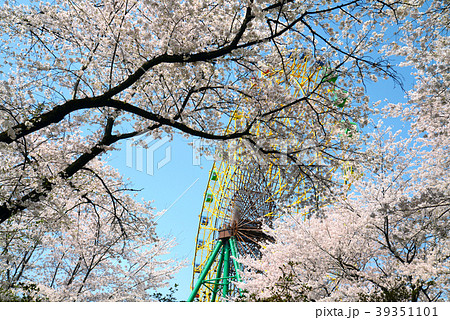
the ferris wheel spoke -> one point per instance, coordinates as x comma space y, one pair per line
245, 247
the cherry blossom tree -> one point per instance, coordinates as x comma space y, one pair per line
76, 77
426, 48
388, 240
128, 68
98, 245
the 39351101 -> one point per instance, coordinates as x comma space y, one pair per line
416, 311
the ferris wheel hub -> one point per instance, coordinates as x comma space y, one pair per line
245, 230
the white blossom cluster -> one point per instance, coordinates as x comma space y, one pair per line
386, 241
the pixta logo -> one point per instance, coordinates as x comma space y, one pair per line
135, 154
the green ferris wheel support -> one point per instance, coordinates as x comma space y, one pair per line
227, 247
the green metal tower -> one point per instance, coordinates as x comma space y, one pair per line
226, 247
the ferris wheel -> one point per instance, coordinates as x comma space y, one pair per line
243, 195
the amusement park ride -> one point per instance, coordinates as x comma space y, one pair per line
242, 195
